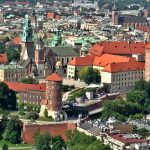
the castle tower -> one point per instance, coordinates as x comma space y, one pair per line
147, 63
40, 56
27, 44
53, 101
115, 15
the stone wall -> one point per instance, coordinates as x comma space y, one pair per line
54, 129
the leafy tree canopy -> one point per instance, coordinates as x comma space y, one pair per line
12, 132
43, 141
29, 80
7, 97
89, 75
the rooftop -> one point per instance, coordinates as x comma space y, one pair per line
124, 66
118, 48
22, 87
3, 58
12, 65
55, 77
126, 138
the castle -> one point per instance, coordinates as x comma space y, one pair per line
34, 55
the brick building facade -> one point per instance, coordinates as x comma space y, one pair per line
54, 129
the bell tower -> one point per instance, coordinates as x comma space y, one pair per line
40, 56
27, 30
27, 44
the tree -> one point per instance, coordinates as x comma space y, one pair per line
57, 146
137, 96
143, 132
12, 53
21, 107
89, 75
12, 132
7, 97
33, 115
58, 143
141, 85
29, 80
81, 141
4, 147
120, 109
46, 113
43, 141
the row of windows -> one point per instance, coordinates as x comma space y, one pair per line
71, 72
129, 73
14, 75
16, 71
129, 78
33, 96
70, 68
124, 83
12, 80
31, 102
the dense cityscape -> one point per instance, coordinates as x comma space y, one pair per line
75, 75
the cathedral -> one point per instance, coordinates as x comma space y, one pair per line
34, 55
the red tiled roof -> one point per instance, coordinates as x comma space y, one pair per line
101, 61
17, 40
120, 137
3, 58
124, 66
22, 87
82, 61
118, 48
55, 77
106, 59
50, 15
147, 46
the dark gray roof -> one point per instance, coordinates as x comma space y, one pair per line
24, 63
65, 51
86, 126
30, 50
132, 19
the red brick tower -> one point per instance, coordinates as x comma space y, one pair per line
53, 101
147, 63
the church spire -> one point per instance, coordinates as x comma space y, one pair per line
27, 30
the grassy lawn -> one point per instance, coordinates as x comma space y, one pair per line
45, 119
13, 145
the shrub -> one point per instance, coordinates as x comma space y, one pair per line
33, 115
4, 147
21, 113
